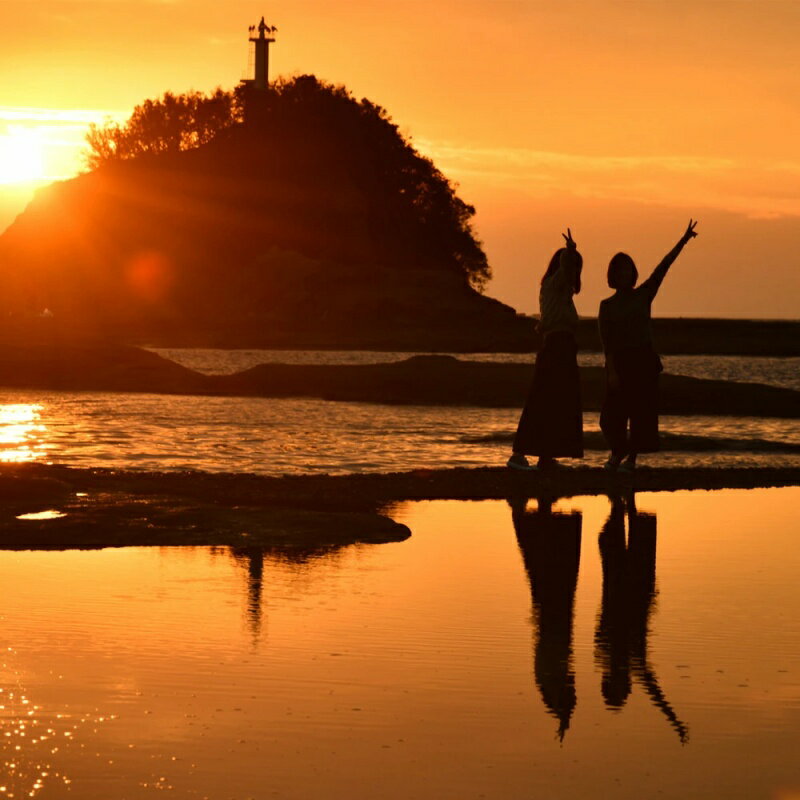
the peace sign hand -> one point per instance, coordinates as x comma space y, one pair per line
570, 241
690, 231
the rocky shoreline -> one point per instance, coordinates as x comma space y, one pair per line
54, 507
419, 380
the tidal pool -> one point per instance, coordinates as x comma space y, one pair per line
576, 648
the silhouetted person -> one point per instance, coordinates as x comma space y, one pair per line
551, 424
550, 544
629, 589
632, 365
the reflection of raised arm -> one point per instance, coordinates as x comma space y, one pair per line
653, 283
644, 672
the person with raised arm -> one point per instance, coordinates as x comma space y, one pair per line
551, 423
632, 364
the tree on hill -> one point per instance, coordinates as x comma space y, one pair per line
167, 125
327, 144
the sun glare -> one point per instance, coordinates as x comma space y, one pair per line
20, 432
21, 155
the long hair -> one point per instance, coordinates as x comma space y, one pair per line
617, 262
555, 263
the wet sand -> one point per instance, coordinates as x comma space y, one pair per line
59, 508
112, 508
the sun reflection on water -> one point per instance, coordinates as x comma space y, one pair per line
27, 739
34, 742
21, 432
42, 515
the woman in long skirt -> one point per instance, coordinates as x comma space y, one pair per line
632, 365
551, 424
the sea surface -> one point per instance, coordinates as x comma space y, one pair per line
303, 435
300, 435
628, 649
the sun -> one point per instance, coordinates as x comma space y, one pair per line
21, 155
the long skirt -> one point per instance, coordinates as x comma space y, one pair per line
633, 402
551, 424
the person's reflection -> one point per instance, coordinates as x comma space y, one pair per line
550, 544
629, 589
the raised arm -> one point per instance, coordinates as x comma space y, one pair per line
653, 283
569, 261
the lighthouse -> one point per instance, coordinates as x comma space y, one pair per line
264, 38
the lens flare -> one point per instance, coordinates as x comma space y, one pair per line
150, 275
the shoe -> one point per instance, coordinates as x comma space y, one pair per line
518, 461
627, 466
612, 465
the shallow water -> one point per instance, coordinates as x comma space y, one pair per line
302, 435
784, 372
298, 435
483, 657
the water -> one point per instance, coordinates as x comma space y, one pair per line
783, 372
451, 665
301, 435
304, 435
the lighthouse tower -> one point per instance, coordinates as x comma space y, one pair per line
262, 41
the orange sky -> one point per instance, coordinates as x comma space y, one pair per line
621, 119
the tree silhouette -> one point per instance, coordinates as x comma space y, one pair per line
331, 151
167, 125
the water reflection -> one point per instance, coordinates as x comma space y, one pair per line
550, 544
29, 738
415, 669
253, 561
623, 624
38, 516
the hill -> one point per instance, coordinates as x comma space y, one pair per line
296, 218
309, 219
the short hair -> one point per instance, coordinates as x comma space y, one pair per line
555, 263
619, 261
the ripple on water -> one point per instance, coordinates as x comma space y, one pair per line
296, 436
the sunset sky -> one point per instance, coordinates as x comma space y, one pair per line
619, 119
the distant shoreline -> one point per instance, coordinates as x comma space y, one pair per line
458, 331
516, 334
419, 380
